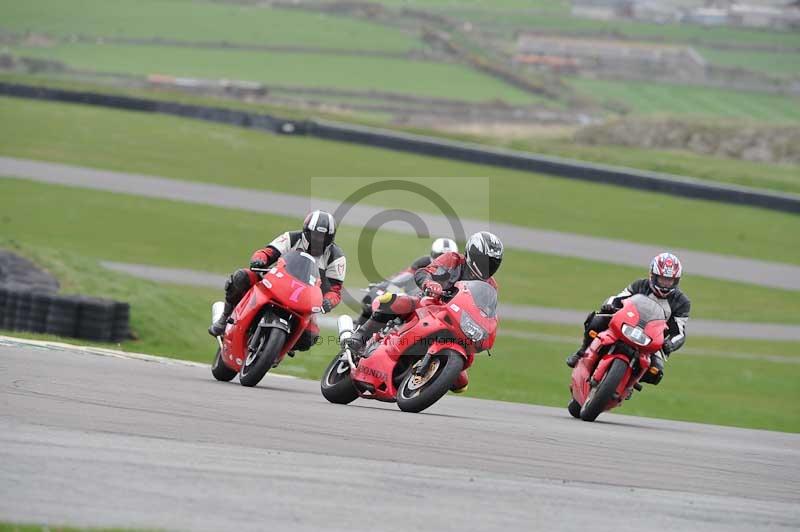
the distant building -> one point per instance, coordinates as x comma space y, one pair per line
774, 14
604, 57
707, 16
602, 9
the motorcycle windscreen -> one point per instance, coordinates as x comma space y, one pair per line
484, 296
302, 267
650, 310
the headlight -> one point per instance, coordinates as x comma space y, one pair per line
636, 335
471, 329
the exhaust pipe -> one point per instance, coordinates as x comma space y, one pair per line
216, 311
345, 324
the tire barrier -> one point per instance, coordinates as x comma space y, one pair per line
432, 146
29, 303
72, 316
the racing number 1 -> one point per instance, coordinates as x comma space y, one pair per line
298, 289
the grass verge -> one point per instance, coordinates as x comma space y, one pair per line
106, 226
197, 151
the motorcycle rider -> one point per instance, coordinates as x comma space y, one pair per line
317, 239
480, 261
662, 284
439, 247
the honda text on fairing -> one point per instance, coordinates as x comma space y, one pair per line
618, 358
415, 362
269, 319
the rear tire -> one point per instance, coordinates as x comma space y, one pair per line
252, 373
219, 370
604, 392
451, 364
574, 408
337, 386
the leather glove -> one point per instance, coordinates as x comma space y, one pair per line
607, 308
667, 348
327, 306
259, 265
432, 288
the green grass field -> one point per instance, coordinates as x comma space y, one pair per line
105, 226
780, 177
207, 21
420, 78
679, 100
774, 64
197, 151
700, 386
673, 33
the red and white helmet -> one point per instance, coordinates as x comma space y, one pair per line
665, 274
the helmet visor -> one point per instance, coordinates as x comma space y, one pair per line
665, 282
317, 242
484, 266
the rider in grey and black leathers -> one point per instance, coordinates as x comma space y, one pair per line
665, 273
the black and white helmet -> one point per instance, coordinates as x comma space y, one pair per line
484, 254
443, 245
319, 230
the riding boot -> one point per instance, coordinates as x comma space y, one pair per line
359, 339
573, 359
218, 327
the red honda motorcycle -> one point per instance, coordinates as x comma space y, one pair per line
268, 320
416, 362
618, 358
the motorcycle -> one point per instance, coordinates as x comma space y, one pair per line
401, 283
618, 358
416, 362
268, 320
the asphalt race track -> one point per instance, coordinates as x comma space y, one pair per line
105, 441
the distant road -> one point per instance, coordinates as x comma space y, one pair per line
715, 329
100, 441
758, 272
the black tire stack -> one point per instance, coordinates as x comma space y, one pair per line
29, 302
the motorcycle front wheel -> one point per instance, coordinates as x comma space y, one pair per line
336, 384
604, 392
418, 392
260, 361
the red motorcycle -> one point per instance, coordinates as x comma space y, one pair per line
269, 319
416, 362
618, 358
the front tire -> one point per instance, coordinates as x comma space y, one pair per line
336, 384
415, 394
259, 363
604, 392
219, 370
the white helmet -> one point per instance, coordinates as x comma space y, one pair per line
443, 245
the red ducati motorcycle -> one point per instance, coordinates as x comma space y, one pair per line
416, 362
618, 358
268, 320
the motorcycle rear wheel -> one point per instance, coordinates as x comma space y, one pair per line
219, 370
251, 373
337, 386
450, 364
574, 408
596, 402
